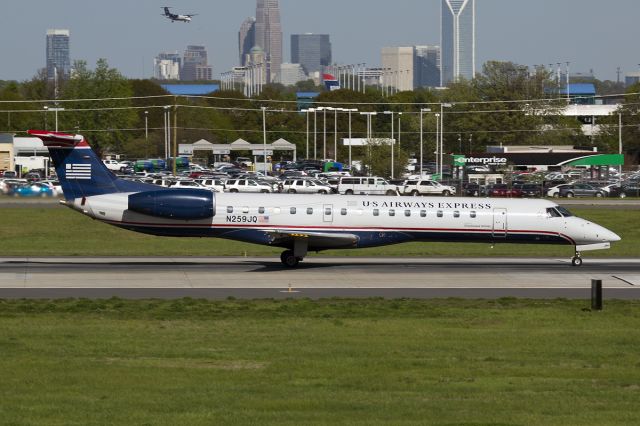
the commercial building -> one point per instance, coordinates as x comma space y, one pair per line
312, 51
631, 78
166, 66
246, 39
268, 35
458, 40
290, 74
58, 54
397, 62
426, 66
195, 65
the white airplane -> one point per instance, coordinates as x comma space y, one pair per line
303, 223
176, 17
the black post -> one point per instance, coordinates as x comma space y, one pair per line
596, 295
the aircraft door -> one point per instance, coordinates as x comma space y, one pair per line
327, 213
500, 223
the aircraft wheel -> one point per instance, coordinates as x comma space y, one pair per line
288, 259
576, 261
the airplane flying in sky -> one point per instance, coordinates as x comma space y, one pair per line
302, 223
176, 17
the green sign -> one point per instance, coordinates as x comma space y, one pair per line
598, 160
458, 160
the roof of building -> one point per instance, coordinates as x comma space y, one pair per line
307, 94
580, 89
191, 89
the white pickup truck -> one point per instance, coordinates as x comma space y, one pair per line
114, 165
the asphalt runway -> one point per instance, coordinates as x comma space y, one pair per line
317, 277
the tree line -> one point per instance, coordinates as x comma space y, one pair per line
503, 105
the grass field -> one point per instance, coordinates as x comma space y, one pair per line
191, 362
37, 231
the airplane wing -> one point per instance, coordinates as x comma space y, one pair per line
315, 240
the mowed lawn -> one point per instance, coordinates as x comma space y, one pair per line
329, 362
37, 231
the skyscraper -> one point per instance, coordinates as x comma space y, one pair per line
397, 63
269, 36
426, 66
246, 39
458, 40
166, 66
312, 51
58, 59
194, 65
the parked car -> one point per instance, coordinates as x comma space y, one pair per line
212, 183
54, 185
427, 187
114, 165
554, 191
33, 190
247, 185
185, 184
305, 186
503, 190
529, 189
473, 190
581, 190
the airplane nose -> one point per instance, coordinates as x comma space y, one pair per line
606, 235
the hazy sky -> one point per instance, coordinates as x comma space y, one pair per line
591, 34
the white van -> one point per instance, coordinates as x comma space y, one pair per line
370, 185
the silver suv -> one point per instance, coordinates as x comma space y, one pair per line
305, 186
417, 187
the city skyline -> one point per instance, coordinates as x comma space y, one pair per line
543, 32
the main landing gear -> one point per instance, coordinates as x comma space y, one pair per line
577, 259
289, 259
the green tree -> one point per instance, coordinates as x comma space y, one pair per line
108, 121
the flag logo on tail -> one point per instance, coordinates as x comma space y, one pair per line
78, 171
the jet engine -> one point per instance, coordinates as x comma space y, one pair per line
179, 203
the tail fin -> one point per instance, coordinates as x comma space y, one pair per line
79, 170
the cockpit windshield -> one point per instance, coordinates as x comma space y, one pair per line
564, 212
558, 212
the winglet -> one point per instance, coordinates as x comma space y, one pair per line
58, 140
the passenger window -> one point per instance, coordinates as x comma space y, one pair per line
456, 213
423, 213
261, 210
343, 212
229, 209
407, 213
327, 211
292, 210
392, 212
473, 215
309, 210
376, 212
440, 213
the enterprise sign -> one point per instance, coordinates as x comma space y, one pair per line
486, 161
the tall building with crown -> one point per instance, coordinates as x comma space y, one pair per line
458, 40
268, 34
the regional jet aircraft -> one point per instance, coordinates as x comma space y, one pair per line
303, 223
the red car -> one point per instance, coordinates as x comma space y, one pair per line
503, 190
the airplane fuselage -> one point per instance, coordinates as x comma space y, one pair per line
374, 221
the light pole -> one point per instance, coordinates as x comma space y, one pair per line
307, 111
441, 148
369, 115
422, 110
619, 144
315, 134
391, 142
264, 137
146, 132
350, 111
46, 108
